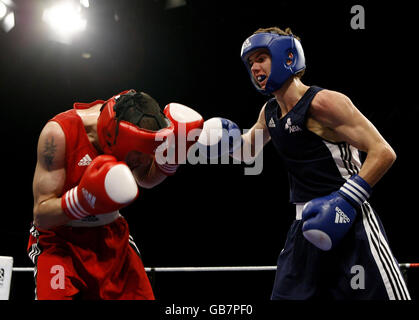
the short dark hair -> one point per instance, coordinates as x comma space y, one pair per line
277, 30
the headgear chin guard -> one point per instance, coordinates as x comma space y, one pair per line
286, 53
118, 136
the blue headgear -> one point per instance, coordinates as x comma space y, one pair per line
286, 53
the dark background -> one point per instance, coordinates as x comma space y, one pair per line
208, 215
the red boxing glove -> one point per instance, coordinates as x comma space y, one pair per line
188, 125
106, 186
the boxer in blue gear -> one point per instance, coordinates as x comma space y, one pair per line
318, 135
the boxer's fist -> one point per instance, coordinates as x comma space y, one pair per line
106, 186
188, 125
219, 137
328, 219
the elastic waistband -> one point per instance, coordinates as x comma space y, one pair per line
95, 221
299, 210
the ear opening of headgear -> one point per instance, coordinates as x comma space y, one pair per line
132, 121
287, 58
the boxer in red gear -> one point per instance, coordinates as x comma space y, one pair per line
79, 242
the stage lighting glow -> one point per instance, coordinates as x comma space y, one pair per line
3, 10
65, 19
84, 3
9, 22
7, 16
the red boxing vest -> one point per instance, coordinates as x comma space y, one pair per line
79, 151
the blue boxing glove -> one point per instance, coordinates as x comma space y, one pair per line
219, 137
328, 219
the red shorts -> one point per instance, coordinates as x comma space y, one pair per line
88, 263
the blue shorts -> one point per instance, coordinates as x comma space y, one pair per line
361, 267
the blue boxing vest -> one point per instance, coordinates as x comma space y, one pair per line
316, 167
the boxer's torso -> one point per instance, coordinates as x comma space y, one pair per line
79, 127
316, 165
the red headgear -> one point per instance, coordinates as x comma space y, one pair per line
119, 137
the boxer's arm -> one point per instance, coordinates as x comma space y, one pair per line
336, 112
49, 178
144, 169
249, 146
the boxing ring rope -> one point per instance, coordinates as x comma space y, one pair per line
213, 269
4, 293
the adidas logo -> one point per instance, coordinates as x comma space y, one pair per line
341, 217
85, 161
90, 198
271, 123
90, 219
290, 127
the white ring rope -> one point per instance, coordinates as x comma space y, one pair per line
212, 269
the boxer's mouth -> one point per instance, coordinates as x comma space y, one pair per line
261, 79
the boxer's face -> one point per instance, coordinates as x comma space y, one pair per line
135, 159
260, 66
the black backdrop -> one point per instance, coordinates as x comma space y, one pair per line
208, 215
